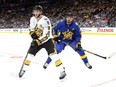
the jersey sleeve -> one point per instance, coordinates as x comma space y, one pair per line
55, 30
31, 29
32, 23
77, 34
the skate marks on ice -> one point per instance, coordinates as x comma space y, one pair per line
104, 84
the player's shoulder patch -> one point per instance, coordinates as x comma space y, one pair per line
45, 18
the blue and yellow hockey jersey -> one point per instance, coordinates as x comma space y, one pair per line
67, 33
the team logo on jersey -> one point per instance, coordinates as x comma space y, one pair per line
45, 19
67, 35
38, 31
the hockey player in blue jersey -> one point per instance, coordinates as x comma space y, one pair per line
67, 32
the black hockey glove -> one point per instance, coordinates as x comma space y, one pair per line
56, 38
78, 46
33, 35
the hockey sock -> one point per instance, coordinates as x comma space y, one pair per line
48, 60
85, 60
28, 61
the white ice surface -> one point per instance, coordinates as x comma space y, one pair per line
13, 48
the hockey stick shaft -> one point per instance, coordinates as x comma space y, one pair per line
95, 54
22, 66
23, 63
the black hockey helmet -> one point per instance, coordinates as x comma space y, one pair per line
38, 7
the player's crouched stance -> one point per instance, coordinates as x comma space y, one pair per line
40, 31
67, 32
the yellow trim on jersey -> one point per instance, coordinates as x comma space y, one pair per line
83, 56
45, 38
79, 43
27, 62
38, 42
55, 35
31, 32
58, 63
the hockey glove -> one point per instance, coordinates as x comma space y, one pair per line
33, 35
78, 46
56, 38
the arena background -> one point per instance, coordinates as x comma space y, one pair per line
97, 20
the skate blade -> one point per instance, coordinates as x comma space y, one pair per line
21, 73
64, 79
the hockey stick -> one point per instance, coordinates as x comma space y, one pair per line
22, 72
104, 57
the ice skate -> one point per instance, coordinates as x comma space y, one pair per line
21, 73
88, 65
45, 65
63, 75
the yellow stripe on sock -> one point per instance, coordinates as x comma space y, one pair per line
58, 63
83, 56
27, 62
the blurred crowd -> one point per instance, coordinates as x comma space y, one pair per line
87, 13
